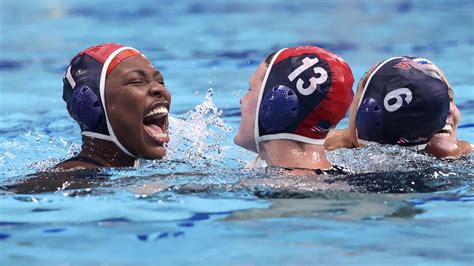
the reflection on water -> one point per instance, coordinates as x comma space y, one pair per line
334, 205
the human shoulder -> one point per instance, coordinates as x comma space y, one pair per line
462, 148
76, 163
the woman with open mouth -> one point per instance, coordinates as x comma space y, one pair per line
404, 101
444, 143
121, 104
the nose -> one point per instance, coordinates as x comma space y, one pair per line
159, 91
449, 117
452, 108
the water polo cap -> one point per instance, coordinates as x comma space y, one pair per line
84, 89
402, 103
305, 92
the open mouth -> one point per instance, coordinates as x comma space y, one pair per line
155, 123
446, 130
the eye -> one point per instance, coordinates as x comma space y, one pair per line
159, 78
135, 82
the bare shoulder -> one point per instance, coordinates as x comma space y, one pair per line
464, 148
73, 165
337, 139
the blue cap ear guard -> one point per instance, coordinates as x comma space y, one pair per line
85, 107
278, 109
369, 120
81, 94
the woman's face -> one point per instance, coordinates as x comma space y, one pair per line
445, 140
248, 107
137, 104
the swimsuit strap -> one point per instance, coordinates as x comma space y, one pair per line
334, 170
84, 159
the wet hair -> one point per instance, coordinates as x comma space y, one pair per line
269, 58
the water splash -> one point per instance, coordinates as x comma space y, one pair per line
199, 135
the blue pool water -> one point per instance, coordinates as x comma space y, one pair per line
209, 211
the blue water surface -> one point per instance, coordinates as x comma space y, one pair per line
198, 206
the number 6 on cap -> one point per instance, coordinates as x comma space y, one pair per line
396, 94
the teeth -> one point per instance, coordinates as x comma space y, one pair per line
160, 111
448, 128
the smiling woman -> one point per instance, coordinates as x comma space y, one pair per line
418, 110
120, 101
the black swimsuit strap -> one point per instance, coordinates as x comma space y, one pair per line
334, 170
84, 159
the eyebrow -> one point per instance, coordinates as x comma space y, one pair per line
143, 73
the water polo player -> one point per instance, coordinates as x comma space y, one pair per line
121, 104
401, 101
295, 97
445, 143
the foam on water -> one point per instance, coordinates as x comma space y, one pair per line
382, 158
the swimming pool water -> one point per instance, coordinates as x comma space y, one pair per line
210, 211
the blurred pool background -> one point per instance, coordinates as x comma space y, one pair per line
203, 46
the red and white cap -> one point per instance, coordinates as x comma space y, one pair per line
306, 91
84, 89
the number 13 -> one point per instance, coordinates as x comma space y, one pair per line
314, 82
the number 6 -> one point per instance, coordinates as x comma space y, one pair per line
396, 94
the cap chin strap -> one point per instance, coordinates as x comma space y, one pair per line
287, 136
91, 134
257, 162
111, 136
420, 147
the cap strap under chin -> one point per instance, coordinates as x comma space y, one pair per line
91, 134
96, 135
103, 74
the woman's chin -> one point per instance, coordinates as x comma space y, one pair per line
155, 154
442, 145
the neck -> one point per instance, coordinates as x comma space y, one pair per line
105, 152
293, 154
